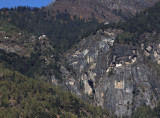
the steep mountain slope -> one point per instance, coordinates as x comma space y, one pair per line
103, 10
23, 56
119, 68
117, 76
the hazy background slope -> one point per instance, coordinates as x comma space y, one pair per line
103, 10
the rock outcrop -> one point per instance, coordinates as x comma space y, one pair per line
118, 77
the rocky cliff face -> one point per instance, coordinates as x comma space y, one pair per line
118, 77
103, 10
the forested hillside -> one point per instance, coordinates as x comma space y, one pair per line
22, 51
63, 29
146, 21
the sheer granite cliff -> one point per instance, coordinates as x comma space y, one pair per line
118, 77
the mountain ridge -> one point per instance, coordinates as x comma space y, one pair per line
103, 10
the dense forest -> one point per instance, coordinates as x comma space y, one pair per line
62, 29
145, 21
147, 112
